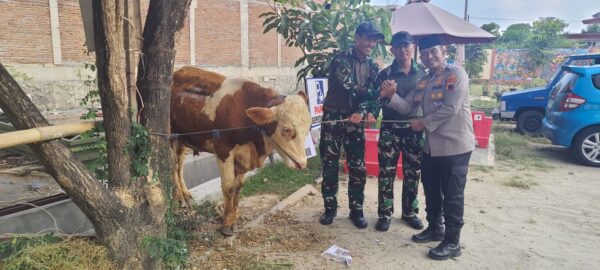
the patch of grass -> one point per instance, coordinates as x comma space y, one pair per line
518, 149
531, 220
509, 145
484, 169
74, 254
280, 180
518, 182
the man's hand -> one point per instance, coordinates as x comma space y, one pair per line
417, 124
355, 118
370, 119
387, 89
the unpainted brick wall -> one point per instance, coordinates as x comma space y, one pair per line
25, 32
25, 37
218, 33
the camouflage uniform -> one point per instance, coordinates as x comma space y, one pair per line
353, 88
396, 138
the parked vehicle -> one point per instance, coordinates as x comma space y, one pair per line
573, 113
528, 106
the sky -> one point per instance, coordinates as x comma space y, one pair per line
507, 12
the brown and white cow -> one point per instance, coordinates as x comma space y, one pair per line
252, 121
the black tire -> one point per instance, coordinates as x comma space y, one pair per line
586, 146
530, 123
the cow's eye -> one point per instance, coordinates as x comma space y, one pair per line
288, 132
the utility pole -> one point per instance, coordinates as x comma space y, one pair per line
460, 49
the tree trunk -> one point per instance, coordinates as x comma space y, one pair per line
133, 41
112, 83
130, 210
155, 78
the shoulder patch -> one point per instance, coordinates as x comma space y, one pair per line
450, 81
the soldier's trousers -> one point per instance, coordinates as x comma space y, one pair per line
351, 137
444, 180
396, 139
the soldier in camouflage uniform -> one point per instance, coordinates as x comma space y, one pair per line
352, 95
398, 138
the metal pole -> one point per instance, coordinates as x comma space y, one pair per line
466, 10
460, 49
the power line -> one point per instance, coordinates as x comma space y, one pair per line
509, 19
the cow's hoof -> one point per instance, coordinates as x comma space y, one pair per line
227, 230
187, 196
235, 228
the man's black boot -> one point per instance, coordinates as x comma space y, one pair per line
445, 250
383, 224
413, 221
327, 217
358, 219
434, 232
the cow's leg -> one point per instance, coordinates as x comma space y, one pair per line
239, 181
178, 151
228, 186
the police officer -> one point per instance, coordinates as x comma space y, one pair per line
352, 97
448, 146
398, 138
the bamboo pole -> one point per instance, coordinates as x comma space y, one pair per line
35, 135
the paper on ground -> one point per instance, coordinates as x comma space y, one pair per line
338, 254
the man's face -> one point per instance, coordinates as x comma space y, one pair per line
364, 44
403, 52
433, 57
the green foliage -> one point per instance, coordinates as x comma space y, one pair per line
515, 36
279, 179
322, 30
591, 28
99, 166
545, 34
174, 253
475, 58
15, 246
139, 146
492, 28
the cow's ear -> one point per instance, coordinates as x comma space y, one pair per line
303, 95
260, 116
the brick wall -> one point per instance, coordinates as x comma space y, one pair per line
25, 37
72, 35
218, 33
262, 47
25, 32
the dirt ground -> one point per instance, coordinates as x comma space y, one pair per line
553, 224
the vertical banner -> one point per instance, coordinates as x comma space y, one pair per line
309, 146
316, 88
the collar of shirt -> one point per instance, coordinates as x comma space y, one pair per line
355, 56
438, 72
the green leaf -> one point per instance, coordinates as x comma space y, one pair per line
271, 26
270, 13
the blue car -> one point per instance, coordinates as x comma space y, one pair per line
573, 113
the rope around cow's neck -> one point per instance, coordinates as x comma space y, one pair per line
217, 132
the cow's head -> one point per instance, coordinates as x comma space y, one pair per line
292, 122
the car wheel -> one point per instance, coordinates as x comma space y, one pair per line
586, 146
530, 123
